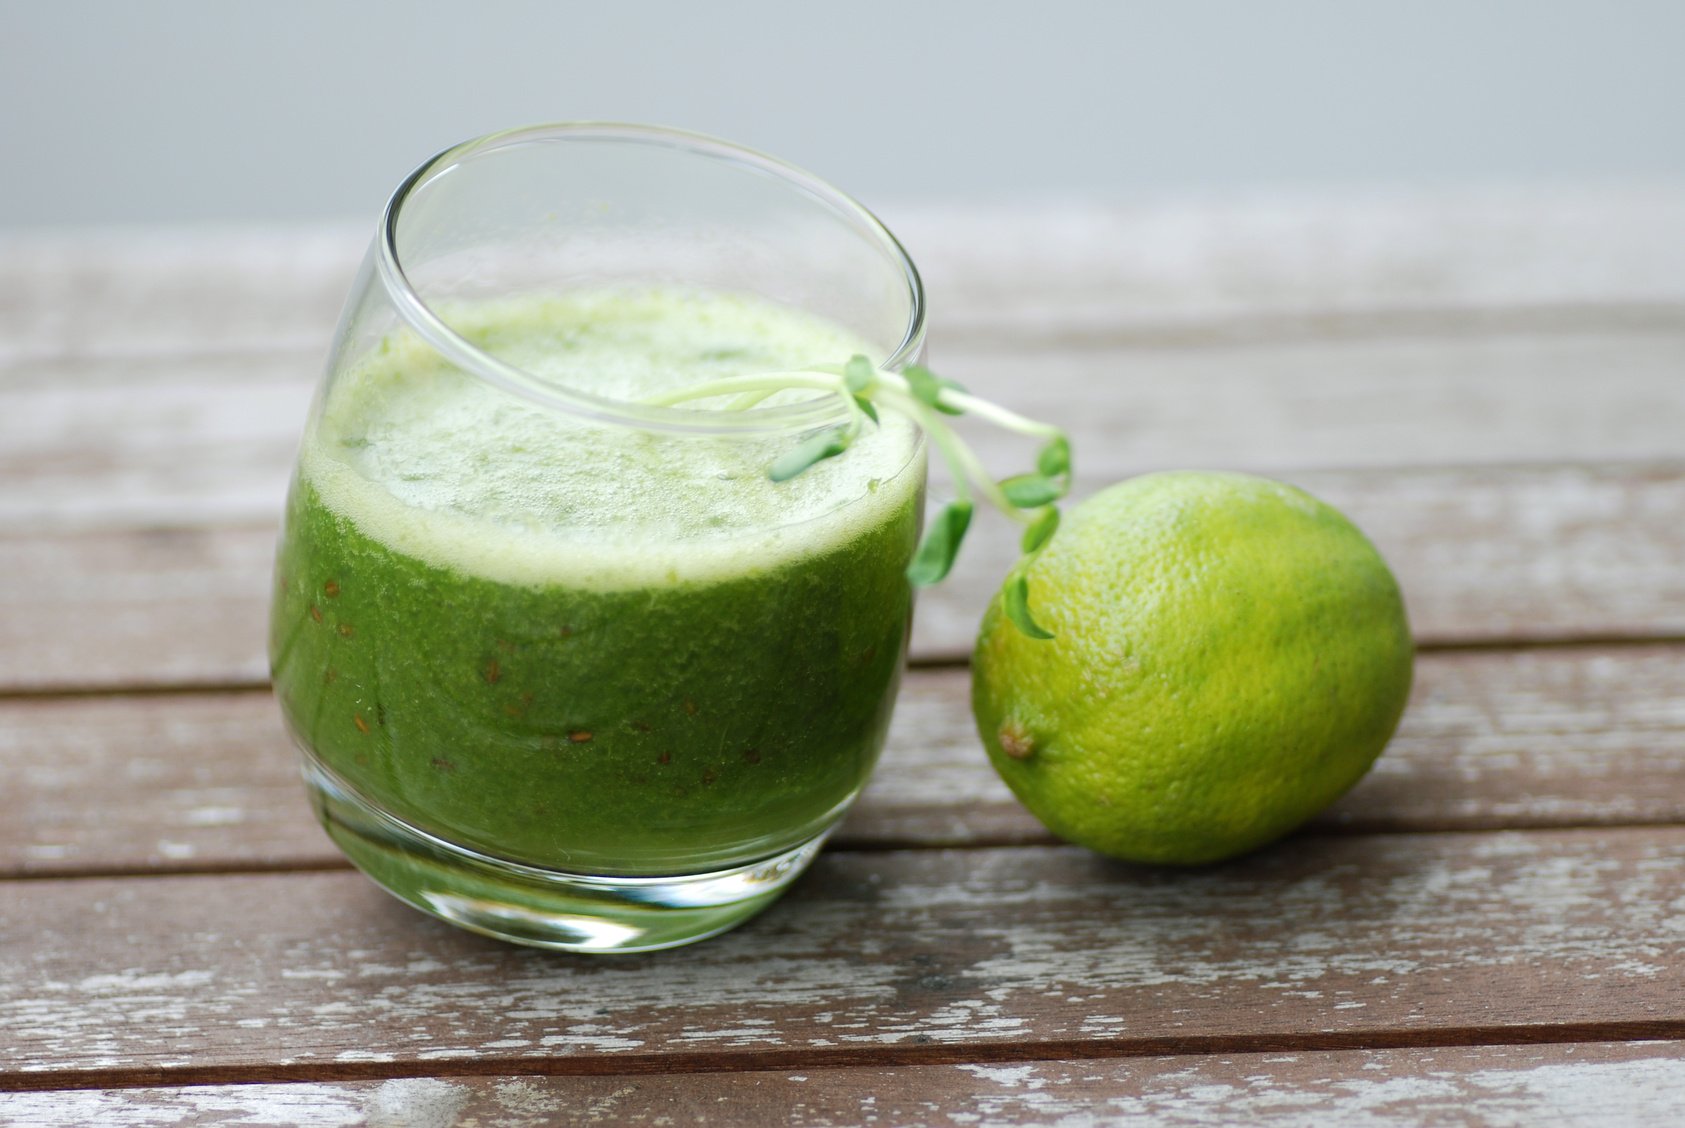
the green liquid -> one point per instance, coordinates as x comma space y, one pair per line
585, 648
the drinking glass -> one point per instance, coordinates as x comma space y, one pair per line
567, 667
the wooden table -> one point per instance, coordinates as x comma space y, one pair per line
1489, 929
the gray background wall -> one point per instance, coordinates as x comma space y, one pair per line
200, 110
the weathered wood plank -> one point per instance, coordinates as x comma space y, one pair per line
1049, 951
179, 781
173, 292
1543, 738
1619, 1085
1533, 738
1006, 270
212, 445
1090, 269
153, 607
1482, 553
1495, 553
1399, 400
188, 440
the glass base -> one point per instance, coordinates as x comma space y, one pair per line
545, 908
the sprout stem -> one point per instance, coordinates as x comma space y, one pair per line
766, 383
1027, 499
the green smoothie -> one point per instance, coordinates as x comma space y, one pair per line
587, 647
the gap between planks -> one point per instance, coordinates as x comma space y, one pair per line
1624, 1083
933, 661
1581, 1033
977, 844
1223, 330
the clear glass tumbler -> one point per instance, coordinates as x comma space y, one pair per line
567, 668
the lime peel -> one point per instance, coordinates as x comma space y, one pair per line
1231, 655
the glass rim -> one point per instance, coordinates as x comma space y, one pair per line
805, 415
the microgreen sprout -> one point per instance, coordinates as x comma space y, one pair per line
1030, 499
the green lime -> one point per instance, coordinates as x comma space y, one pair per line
1230, 655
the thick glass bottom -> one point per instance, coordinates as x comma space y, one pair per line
544, 908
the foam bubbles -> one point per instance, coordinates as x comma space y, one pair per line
442, 465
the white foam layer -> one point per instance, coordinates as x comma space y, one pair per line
441, 465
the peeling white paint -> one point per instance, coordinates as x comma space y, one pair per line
421, 1102
215, 816
1141, 955
1006, 1076
136, 980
